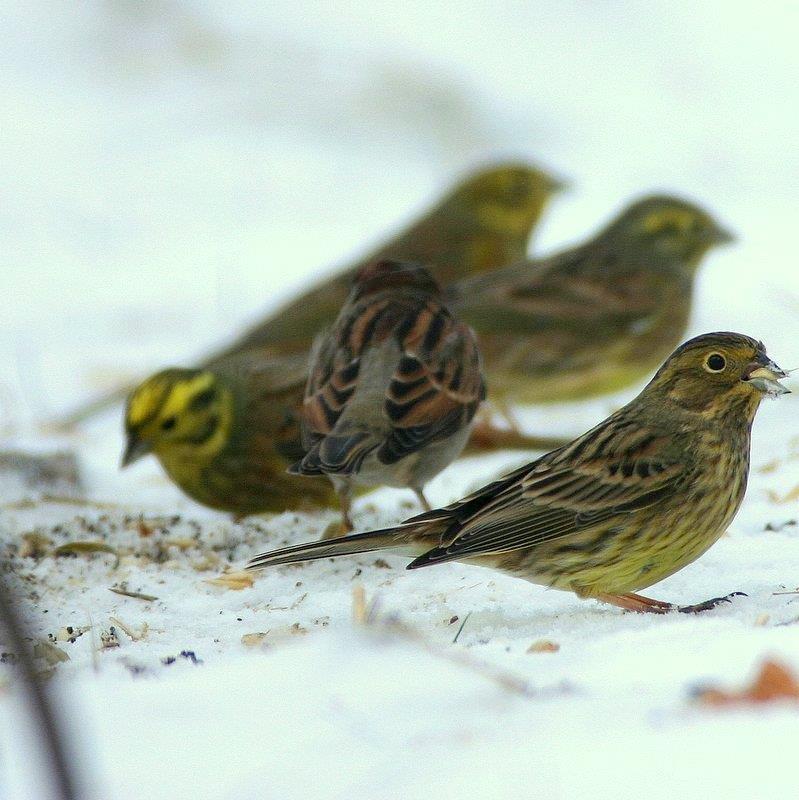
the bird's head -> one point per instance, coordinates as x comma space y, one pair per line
506, 198
386, 273
178, 413
718, 373
669, 228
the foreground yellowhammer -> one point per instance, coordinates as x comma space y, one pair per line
628, 503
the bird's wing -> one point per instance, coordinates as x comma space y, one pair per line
615, 469
269, 390
582, 287
437, 386
434, 390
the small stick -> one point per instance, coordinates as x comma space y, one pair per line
465, 620
134, 595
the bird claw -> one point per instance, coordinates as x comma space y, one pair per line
708, 604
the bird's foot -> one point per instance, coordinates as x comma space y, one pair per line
698, 608
637, 603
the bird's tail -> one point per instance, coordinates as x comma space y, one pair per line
400, 539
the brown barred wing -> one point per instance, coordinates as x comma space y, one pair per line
438, 384
610, 472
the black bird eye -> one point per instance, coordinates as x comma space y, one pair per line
715, 362
168, 424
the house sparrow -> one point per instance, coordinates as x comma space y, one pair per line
392, 387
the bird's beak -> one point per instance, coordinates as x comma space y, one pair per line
721, 236
764, 375
135, 449
560, 185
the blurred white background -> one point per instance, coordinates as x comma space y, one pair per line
172, 169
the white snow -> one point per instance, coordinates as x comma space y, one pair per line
170, 171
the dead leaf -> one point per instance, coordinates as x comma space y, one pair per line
543, 646
233, 580
253, 639
773, 682
70, 548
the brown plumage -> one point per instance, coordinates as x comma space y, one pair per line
628, 503
392, 388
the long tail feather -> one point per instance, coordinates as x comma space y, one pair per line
329, 548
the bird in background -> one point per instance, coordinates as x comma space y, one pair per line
392, 387
593, 319
484, 222
226, 435
625, 505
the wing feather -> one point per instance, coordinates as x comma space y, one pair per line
567, 491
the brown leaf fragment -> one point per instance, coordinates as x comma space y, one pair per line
543, 646
253, 639
381, 563
233, 580
774, 682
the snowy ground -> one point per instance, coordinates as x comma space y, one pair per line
174, 169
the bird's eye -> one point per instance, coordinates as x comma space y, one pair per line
715, 362
168, 424
202, 400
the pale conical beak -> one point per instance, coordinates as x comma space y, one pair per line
560, 185
765, 377
134, 450
722, 236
